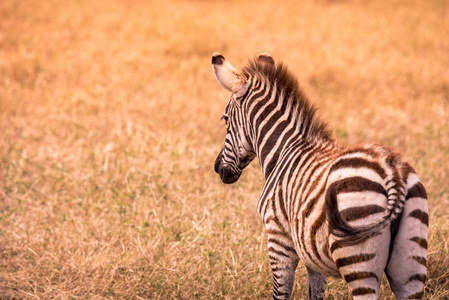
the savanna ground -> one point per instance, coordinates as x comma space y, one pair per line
110, 124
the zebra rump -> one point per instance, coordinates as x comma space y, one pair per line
350, 235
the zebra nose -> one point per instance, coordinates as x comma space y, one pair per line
217, 166
227, 176
218, 162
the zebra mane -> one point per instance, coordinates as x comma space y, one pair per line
279, 74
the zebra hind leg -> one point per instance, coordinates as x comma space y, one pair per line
316, 285
406, 269
362, 265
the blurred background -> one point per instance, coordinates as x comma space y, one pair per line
110, 124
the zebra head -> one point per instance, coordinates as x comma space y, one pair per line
238, 150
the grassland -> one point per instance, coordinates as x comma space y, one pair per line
109, 127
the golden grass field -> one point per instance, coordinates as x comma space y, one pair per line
110, 125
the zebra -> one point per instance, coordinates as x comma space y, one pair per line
350, 212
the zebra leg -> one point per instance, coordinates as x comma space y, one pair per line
283, 261
406, 269
362, 265
316, 285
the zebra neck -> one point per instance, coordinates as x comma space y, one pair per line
280, 116
275, 138
275, 150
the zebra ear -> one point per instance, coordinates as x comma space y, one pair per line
242, 90
266, 59
226, 75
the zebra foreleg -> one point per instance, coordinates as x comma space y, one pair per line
283, 261
316, 285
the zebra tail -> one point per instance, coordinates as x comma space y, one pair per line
349, 235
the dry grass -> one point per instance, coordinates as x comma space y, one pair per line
109, 126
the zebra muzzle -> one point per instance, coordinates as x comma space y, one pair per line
227, 175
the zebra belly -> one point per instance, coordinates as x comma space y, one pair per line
311, 241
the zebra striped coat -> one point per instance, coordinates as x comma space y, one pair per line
349, 212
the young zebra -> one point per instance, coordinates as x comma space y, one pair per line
349, 212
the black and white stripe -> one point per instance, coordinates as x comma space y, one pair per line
349, 212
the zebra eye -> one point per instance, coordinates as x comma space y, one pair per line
225, 118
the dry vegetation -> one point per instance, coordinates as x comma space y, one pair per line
109, 126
